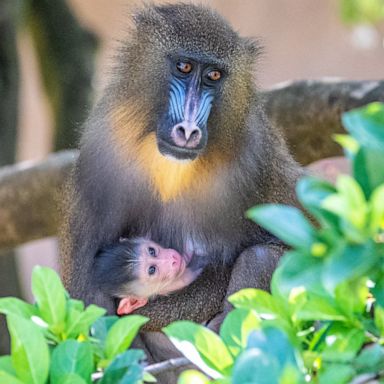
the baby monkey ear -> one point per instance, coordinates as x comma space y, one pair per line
129, 304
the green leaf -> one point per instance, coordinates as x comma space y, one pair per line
72, 357
7, 378
362, 11
320, 308
366, 125
376, 205
349, 262
260, 301
336, 373
379, 319
287, 223
350, 145
6, 365
70, 378
192, 376
124, 367
349, 203
201, 346
254, 367
30, 355
297, 269
80, 322
366, 171
342, 343
378, 289
311, 192
122, 333
236, 328
273, 342
371, 359
101, 327
351, 297
49, 293
15, 306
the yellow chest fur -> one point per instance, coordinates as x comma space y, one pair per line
169, 178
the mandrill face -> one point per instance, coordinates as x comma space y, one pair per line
193, 86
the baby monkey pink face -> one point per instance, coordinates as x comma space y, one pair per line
158, 268
160, 271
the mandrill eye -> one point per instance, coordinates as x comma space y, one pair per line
184, 67
151, 270
152, 251
214, 75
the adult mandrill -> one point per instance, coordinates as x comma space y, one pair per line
179, 147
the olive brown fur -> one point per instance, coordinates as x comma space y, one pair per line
126, 184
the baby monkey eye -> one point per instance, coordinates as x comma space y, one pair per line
184, 67
151, 270
214, 75
152, 251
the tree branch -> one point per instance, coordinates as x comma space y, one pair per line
28, 198
309, 112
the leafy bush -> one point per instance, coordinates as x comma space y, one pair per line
324, 320
57, 340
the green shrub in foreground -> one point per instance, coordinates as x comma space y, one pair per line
59, 341
324, 321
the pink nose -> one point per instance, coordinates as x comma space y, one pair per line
186, 134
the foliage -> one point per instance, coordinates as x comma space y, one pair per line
58, 340
362, 11
324, 321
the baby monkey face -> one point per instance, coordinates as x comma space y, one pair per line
159, 266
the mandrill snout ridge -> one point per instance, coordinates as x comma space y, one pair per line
186, 135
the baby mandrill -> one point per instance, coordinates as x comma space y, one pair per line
137, 269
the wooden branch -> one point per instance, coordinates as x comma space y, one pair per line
155, 369
28, 193
308, 111
168, 365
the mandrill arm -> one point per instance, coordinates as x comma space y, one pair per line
205, 298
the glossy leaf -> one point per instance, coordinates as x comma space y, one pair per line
71, 378
72, 357
49, 293
30, 355
351, 297
297, 269
274, 218
336, 373
349, 262
366, 171
263, 303
201, 346
273, 342
366, 125
192, 377
371, 359
320, 308
122, 333
7, 378
342, 343
255, 367
80, 322
6, 365
236, 328
15, 306
125, 368
379, 319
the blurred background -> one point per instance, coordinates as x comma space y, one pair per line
54, 56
